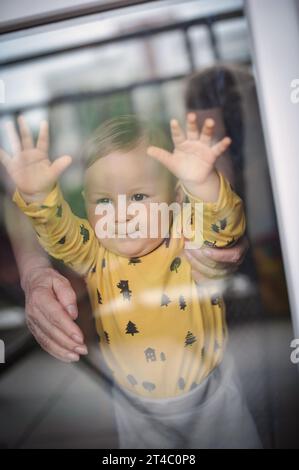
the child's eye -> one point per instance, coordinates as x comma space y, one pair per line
104, 200
139, 197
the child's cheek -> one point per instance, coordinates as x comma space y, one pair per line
93, 218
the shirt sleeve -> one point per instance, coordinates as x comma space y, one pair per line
217, 224
62, 234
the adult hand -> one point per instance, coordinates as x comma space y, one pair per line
51, 309
214, 263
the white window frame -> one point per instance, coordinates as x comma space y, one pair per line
274, 33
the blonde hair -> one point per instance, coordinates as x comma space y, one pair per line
124, 132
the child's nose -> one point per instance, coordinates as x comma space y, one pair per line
121, 215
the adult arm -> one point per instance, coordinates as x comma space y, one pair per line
51, 306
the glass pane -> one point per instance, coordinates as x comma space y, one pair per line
204, 340
202, 48
232, 38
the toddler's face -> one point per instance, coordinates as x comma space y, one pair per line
141, 180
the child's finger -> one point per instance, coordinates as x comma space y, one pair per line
164, 157
207, 131
177, 134
43, 137
192, 129
26, 137
220, 147
60, 164
13, 137
4, 158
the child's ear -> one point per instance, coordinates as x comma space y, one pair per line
179, 193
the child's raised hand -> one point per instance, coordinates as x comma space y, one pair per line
194, 156
29, 165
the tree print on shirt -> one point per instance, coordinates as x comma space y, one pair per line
62, 240
134, 261
162, 356
123, 285
99, 297
190, 339
107, 337
150, 355
221, 225
181, 383
182, 302
165, 300
132, 380
85, 233
175, 264
149, 386
210, 244
131, 329
216, 300
194, 385
167, 241
103, 263
59, 211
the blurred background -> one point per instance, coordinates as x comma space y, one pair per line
111, 59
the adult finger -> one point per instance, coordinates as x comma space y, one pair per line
192, 129
206, 271
50, 346
228, 268
57, 316
197, 276
43, 137
26, 136
56, 335
201, 257
65, 295
232, 255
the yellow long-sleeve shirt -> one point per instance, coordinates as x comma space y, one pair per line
158, 337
